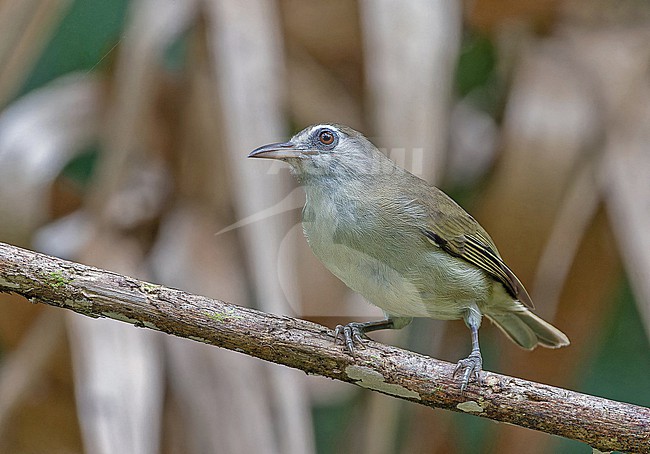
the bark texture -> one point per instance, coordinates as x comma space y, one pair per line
603, 424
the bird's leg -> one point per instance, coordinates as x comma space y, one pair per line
473, 364
354, 333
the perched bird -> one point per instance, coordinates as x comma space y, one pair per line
404, 245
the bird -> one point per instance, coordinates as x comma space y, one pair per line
404, 245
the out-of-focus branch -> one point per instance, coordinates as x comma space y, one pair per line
604, 424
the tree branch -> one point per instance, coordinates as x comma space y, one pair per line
603, 424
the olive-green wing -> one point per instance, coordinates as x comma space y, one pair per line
479, 250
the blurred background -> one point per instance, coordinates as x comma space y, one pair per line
124, 128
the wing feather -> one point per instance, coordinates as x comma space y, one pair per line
477, 249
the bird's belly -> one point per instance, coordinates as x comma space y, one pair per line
378, 283
430, 288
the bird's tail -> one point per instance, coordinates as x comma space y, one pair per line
528, 330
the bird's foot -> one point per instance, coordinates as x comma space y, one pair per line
470, 367
351, 335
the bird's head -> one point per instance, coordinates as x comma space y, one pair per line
326, 150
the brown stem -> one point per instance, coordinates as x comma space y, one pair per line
603, 424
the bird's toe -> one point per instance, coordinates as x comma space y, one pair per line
350, 335
469, 368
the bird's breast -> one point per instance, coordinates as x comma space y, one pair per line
390, 271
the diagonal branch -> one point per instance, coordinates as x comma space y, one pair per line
604, 424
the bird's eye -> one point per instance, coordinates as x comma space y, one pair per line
326, 137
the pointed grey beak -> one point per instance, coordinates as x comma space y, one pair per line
282, 150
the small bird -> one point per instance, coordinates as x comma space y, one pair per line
404, 245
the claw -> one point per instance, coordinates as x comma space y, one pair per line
350, 334
471, 367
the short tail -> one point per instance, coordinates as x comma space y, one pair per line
528, 330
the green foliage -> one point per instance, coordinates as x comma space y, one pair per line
619, 367
331, 422
477, 78
83, 41
622, 360
476, 63
80, 169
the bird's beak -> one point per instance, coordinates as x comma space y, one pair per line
282, 150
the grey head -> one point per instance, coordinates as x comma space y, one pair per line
327, 151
